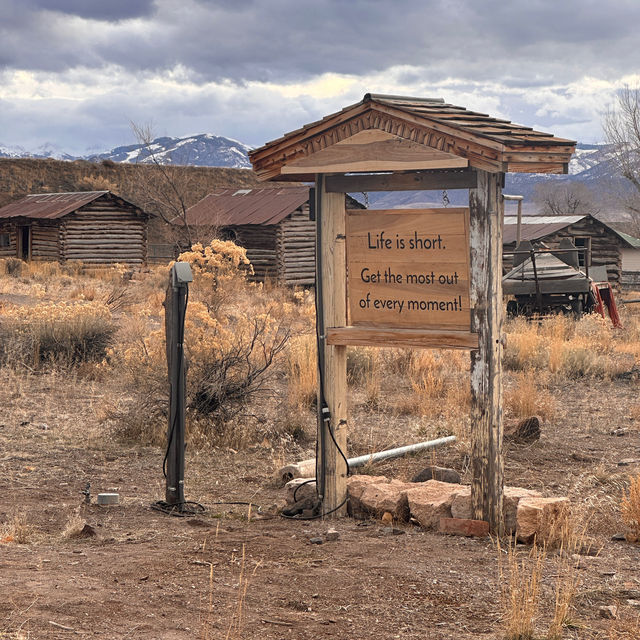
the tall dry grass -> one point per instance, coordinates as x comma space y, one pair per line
630, 508
520, 579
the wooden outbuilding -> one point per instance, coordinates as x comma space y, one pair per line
388, 143
94, 227
602, 245
272, 224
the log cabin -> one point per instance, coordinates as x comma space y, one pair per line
97, 228
603, 246
272, 224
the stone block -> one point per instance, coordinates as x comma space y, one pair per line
510, 501
302, 488
541, 518
390, 496
461, 504
355, 488
464, 527
431, 501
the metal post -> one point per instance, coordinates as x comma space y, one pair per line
175, 310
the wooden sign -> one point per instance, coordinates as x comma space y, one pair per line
408, 269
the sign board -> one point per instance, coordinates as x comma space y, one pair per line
408, 268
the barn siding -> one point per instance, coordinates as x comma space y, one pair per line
103, 233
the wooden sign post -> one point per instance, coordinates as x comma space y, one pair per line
417, 278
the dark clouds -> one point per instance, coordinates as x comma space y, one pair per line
77, 71
291, 40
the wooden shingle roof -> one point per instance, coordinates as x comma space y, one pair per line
413, 133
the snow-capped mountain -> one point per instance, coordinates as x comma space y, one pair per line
204, 150
46, 150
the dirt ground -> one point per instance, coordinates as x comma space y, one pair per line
222, 575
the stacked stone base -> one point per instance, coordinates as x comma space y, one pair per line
446, 507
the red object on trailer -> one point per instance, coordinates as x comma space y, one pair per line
603, 294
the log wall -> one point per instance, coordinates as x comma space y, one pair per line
284, 252
45, 244
296, 249
11, 250
102, 233
260, 243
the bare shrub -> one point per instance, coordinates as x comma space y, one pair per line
230, 353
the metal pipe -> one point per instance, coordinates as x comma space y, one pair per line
307, 468
360, 461
519, 199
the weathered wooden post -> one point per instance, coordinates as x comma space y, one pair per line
175, 310
331, 294
485, 238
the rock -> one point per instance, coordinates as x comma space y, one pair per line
625, 462
307, 508
316, 540
355, 488
540, 517
524, 432
511, 499
464, 527
301, 488
388, 496
608, 613
431, 501
619, 537
618, 432
461, 505
387, 519
332, 535
634, 603
437, 473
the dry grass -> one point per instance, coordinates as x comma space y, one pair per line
630, 508
528, 398
520, 580
17, 529
302, 372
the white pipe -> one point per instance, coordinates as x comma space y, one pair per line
399, 451
307, 468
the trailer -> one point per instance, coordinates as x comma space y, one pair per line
548, 281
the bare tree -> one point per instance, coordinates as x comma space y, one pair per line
622, 130
565, 198
165, 188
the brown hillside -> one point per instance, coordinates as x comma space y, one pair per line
19, 177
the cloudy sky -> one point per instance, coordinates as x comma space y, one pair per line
76, 73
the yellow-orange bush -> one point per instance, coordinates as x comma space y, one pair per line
230, 352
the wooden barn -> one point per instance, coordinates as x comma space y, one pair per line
272, 224
603, 245
95, 227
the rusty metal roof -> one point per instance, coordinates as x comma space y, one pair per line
265, 206
538, 227
50, 206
